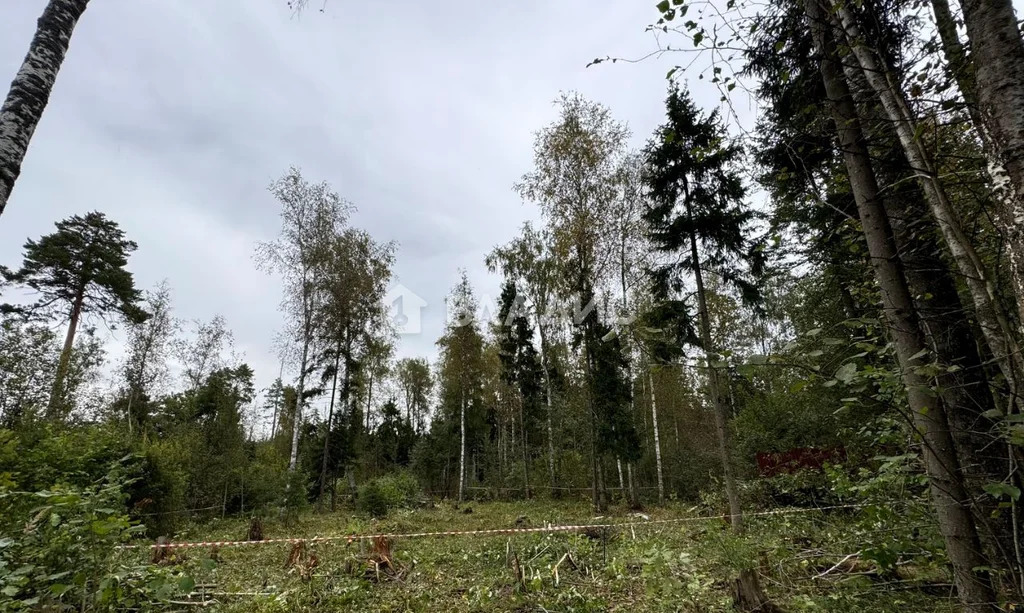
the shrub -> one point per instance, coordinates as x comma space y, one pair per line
59, 551
381, 495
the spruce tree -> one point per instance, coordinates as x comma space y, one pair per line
520, 365
698, 216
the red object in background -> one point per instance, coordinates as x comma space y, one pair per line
800, 458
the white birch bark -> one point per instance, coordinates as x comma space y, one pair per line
657, 439
30, 90
997, 54
941, 462
990, 314
462, 446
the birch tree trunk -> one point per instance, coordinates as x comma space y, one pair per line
30, 90
293, 456
942, 465
622, 480
548, 401
300, 390
997, 51
369, 400
990, 314
462, 446
657, 439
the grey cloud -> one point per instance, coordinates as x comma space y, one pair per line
173, 117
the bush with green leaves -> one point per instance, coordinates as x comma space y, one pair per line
58, 550
383, 494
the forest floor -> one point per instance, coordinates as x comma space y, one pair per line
805, 563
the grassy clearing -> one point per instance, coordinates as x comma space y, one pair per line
668, 567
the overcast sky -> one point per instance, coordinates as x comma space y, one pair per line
172, 118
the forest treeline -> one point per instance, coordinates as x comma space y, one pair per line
847, 278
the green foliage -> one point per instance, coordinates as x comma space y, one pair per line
804, 488
28, 357
381, 495
57, 550
45, 456
895, 521
697, 199
83, 261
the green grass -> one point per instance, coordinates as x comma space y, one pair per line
666, 567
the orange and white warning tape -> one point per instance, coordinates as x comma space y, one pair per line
349, 538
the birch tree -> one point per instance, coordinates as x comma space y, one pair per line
349, 323
575, 181
942, 464
877, 71
461, 369
149, 345
30, 90
995, 76
312, 215
417, 384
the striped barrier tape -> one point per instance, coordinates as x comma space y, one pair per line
349, 538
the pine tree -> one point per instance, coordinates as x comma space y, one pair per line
80, 267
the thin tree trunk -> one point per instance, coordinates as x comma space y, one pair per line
622, 479
997, 51
300, 390
748, 592
959, 65
630, 482
55, 408
548, 402
369, 399
327, 435
462, 446
526, 450
501, 453
279, 404
30, 90
597, 497
946, 484
657, 439
718, 401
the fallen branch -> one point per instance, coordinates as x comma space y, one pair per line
567, 556
837, 565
